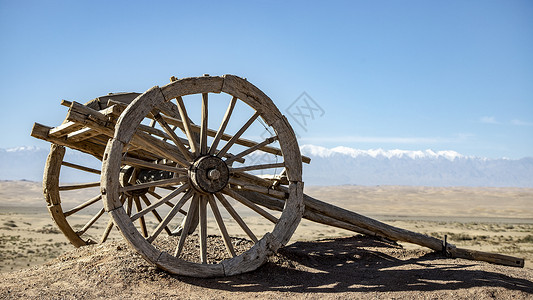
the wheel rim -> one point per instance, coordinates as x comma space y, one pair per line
204, 175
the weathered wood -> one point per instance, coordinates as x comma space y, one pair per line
203, 125
160, 201
82, 168
155, 213
177, 141
311, 215
242, 184
251, 205
221, 226
83, 205
142, 223
257, 167
64, 129
236, 217
223, 126
494, 258
227, 137
237, 135
251, 149
127, 131
203, 228
141, 163
193, 85
157, 183
41, 132
91, 222
169, 216
193, 210
79, 186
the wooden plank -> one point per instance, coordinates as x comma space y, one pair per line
40, 131
64, 129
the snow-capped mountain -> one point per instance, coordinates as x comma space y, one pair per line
342, 165
333, 166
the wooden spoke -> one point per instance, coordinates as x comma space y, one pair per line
157, 183
78, 186
188, 221
203, 128
236, 217
187, 126
141, 163
107, 230
91, 222
83, 205
173, 136
155, 213
158, 203
223, 125
203, 229
221, 226
157, 196
251, 149
227, 137
237, 135
75, 166
257, 167
251, 205
142, 223
169, 216
130, 204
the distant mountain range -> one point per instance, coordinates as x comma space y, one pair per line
342, 165
337, 166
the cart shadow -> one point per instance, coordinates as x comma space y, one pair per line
359, 264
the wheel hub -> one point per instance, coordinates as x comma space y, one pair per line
209, 174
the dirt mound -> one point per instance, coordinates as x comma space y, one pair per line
355, 267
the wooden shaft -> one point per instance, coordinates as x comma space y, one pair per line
278, 204
257, 167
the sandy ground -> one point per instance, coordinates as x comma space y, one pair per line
488, 219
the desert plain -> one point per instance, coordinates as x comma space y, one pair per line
487, 219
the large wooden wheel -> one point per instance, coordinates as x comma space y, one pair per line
195, 168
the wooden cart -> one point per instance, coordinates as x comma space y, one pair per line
161, 170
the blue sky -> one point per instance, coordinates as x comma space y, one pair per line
413, 75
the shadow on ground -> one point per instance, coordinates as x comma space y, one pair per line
361, 264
